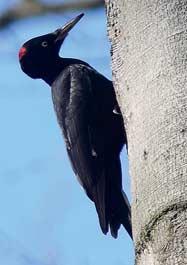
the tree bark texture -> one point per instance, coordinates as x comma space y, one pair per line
149, 63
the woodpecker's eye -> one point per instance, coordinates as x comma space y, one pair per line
44, 44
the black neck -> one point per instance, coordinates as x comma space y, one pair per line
57, 67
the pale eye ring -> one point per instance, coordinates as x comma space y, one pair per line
44, 44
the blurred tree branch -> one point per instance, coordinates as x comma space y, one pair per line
31, 8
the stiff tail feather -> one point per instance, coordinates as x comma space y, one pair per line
111, 202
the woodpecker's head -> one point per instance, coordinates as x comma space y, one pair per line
38, 54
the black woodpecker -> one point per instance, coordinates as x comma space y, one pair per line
90, 120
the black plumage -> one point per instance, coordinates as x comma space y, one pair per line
91, 122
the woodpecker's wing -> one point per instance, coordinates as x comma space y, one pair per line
73, 100
80, 111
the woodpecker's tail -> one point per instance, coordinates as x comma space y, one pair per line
111, 202
121, 215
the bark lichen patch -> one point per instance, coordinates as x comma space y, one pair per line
127, 87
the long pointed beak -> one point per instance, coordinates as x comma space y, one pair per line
62, 32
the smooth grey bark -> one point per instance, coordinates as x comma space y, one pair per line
149, 63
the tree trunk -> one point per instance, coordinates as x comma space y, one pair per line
149, 63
